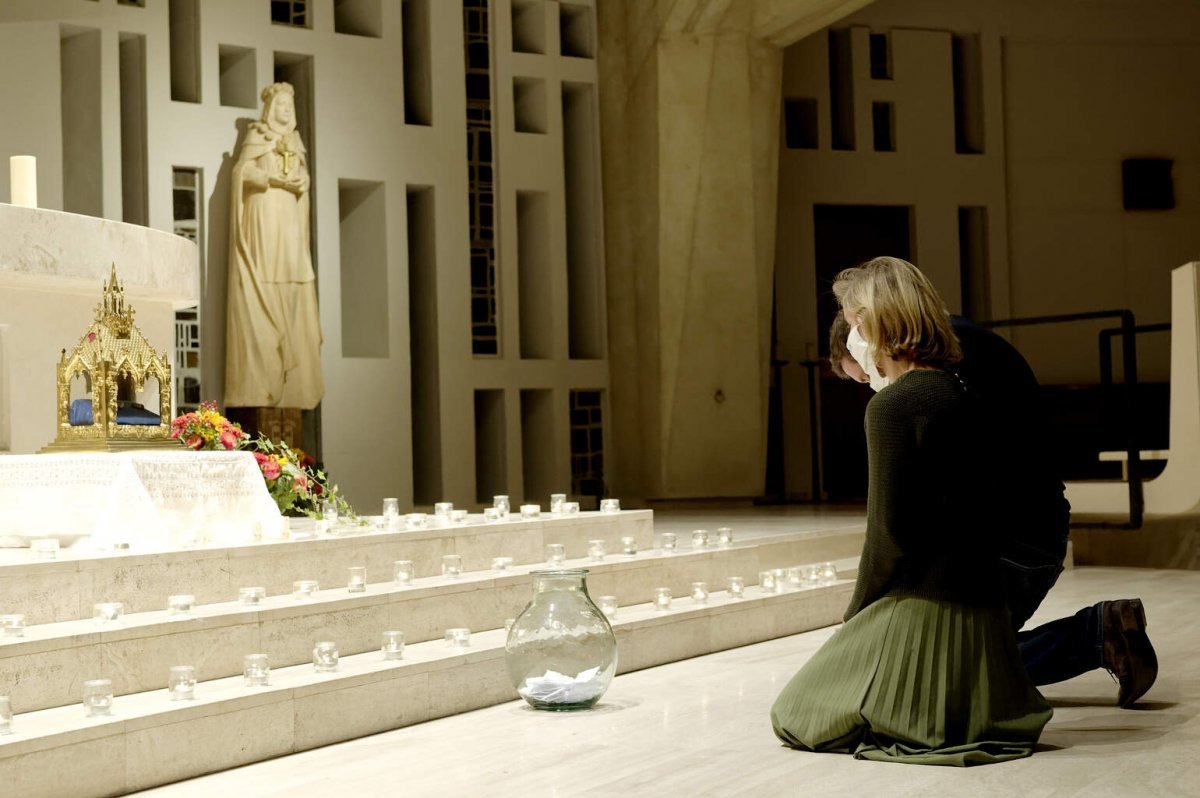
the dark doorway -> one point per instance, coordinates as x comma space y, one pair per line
845, 236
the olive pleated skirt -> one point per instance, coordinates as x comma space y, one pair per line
916, 680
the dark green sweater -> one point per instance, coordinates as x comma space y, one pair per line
928, 532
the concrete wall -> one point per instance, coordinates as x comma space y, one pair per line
357, 132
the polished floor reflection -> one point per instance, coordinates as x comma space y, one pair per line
700, 727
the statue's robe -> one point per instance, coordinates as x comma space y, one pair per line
273, 341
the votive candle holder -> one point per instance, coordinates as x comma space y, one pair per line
501, 563
557, 500
6, 715
329, 513
459, 516
828, 573
391, 508
780, 575
452, 565
795, 578
44, 548
531, 510
443, 509
458, 637
812, 575
735, 586
668, 541
766, 580
181, 682
393, 645
402, 572
629, 546
182, 604
699, 538
724, 536
662, 598
98, 697
570, 508
700, 592
358, 579
416, 520
12, 625
608, 605
556, 553
107, 612
304, 589
256, 670
325, 657
610, 505
502, 506
596, 550
251, 596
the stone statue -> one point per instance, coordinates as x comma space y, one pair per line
273, 345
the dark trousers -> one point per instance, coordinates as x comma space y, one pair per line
1058, 650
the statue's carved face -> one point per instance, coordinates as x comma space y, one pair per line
283, 112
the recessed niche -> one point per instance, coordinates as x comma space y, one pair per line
183, 23
238, 85
967, 64
800, 123
533, 274
362, 212
841, 90
529, 26
538, 448
297, 69
881, 56
134, 182
418, 84
576, 37
973, 263
358, 18
883, 126
1147, 185
529, 105
291, 12
134, 3
587, 442
585, 271
83, 177
491, 467
423, 345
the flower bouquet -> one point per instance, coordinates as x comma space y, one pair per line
207, 429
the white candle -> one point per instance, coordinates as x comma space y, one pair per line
22, 171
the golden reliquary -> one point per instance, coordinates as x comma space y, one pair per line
114, 360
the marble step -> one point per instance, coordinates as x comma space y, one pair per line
150, 740
47, 667
65, 589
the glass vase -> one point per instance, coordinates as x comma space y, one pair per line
561, 651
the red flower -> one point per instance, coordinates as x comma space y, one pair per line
229, 437
195, 442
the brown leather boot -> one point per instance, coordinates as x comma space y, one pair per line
1128, 655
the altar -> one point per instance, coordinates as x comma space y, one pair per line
143, 501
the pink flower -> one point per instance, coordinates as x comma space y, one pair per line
301, 483
270, 468
195, 442
229, 438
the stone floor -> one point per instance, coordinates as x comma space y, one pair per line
700, 727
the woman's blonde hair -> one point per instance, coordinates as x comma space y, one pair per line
899, 312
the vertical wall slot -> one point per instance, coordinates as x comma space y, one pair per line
238, 76
881, 56
585, 277
967, 61
362, 211
491, 467
587, 442
481, 181
297, 69
577, 38
358, 17
533, 274
537, 444
418, 81
529, 26
800, 123
423, 346
841, 90
529, 105
83, 173
974, 270
134, 183
883, 126
183, 23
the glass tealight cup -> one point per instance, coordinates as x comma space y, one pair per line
828, 573
766, 580
458, 637
531, 510
780, 576
325, 657
416, 520
391, 508
452, 565
700, 592
491, 514
735, 586
12, 625
596, 550
6, 715
610, 505
662, 598
402, 572
556, 553
443, 509
458, 516
629, 546
304, 589
181, 605
724, 536
181, 682
329, 513
502, 506
795, 578
557, 500
358, 579
607, 605
570, 508
501, 563
699, 538
44, 548
251, 596
107, 612
98, 697
668, 541
393, 645
256, 670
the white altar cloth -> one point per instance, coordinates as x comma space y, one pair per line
148, 500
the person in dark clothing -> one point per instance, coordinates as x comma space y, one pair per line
1033, 527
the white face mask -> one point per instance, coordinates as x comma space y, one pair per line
860, 350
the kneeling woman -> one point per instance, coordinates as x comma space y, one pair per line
926, 669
